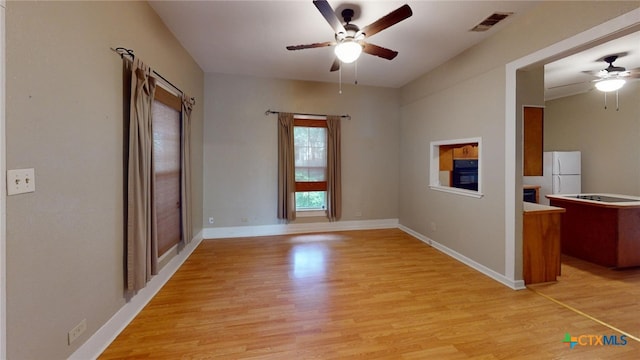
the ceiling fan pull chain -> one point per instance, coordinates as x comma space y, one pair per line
605, 101
356, 82
340, 79
617, 103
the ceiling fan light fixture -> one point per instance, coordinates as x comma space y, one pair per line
609, 85
348, 51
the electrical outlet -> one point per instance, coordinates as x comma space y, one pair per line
211, 220
77, 331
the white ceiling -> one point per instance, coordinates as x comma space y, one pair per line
574, 74
249, 38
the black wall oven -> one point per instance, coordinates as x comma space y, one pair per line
465, 174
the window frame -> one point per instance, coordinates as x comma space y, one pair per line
309, 186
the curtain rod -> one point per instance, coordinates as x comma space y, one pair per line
269, 111
129, 52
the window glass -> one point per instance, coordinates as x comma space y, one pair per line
311, 200
310, 153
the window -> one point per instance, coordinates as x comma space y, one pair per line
455, 166
166, 163
310, 143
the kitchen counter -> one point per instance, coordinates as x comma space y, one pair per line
601, 228
604, 200
528, 207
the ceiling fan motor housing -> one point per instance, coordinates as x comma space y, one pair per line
347, 15
613, 69
353, 33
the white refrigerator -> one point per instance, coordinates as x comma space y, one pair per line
561, 174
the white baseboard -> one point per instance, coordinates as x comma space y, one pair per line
284, 229
514, 284
101, 339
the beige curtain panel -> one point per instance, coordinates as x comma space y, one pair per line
142, 244
286, 168
334, 169
185, 169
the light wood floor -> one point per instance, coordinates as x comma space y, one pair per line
378, 294
611, 296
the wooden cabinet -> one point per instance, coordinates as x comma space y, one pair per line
533, 121
541, 231
468, 151
446, 158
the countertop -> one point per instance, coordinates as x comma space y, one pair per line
528, 207
634, 201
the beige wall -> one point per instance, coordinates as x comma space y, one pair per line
608, 139
466, 98
240, 146
64, 118
461, 223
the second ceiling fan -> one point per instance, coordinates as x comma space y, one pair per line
349, 38
614, 77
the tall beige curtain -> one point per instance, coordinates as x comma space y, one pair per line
185, 168
286, 168
142, 242
334, 169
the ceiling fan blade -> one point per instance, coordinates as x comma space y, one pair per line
329, 15
390, 19
336, 65
601, 74
592, 72
311, 46
634, 73
378, 51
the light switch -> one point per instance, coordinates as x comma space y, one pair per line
20, 181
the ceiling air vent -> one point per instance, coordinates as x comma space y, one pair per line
491, 20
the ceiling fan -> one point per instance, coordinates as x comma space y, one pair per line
349, 38
614, 77
611, 78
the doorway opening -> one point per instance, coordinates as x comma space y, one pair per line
600, 34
